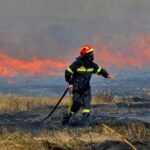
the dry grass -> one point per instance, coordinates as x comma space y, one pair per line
109, 98
13, 103
102, 99
136, 131
18, 141
81, 138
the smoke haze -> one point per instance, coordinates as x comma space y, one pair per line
50, 30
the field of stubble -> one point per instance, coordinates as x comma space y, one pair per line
113, 123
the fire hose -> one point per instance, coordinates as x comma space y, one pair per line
50, 114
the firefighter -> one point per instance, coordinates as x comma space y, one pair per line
78, 76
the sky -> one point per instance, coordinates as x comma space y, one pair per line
42, 37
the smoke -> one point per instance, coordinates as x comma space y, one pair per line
54, 30
136, 55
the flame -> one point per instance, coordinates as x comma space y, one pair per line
10, 67
136, 55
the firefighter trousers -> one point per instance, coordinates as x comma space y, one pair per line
81, 99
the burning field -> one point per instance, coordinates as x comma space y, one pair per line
136, 55
120, 109
39, 39
113, 123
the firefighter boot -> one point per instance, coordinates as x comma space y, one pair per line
66, 118
85, 119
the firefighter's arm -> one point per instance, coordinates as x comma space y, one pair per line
68, 75
69, 72
101, 71
105, 74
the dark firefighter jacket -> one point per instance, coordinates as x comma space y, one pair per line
79, 74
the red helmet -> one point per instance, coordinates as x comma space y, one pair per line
86, 49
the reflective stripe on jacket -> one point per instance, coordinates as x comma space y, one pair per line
80, 74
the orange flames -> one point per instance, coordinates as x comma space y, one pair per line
10, 67
136, 55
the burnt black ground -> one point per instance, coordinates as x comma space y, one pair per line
119, 114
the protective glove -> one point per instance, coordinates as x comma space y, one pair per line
110, 76
70, 88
